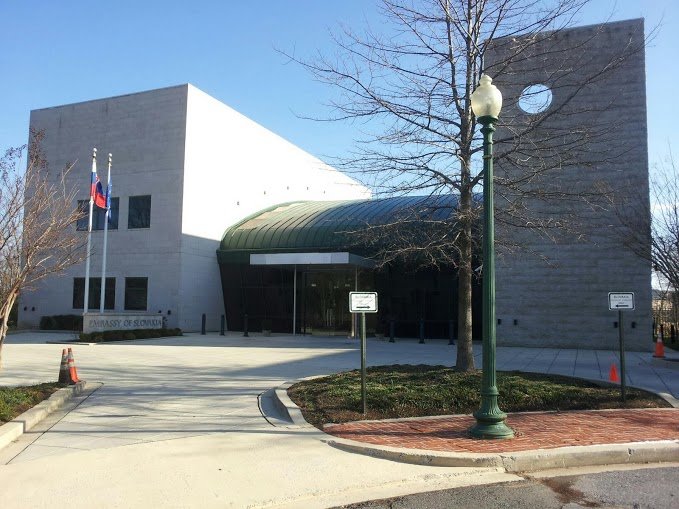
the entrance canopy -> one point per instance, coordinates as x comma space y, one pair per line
291, 267
314, 228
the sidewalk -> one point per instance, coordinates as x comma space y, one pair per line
178, 423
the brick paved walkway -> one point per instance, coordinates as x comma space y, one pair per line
535, 430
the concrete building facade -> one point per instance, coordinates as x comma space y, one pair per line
589, 173
196, 166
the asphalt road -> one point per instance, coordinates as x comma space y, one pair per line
651, 488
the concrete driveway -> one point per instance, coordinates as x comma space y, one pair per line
177, 423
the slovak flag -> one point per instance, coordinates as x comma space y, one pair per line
93, 176
99, 196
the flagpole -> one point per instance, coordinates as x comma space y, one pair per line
89, 231
103, 259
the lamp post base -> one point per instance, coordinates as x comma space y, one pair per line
491, 426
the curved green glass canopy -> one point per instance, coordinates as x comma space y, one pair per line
322, 225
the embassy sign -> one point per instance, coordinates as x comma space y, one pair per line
99, 322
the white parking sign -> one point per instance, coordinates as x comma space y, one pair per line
363, 302
620, 300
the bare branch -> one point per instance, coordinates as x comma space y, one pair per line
37, 218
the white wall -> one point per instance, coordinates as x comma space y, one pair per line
233, 168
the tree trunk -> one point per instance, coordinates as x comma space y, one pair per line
465, 353
3, 332
4, 318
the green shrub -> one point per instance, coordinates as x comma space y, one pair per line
61, 322
117, 335
112, 334
47, 323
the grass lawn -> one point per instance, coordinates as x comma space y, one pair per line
411, 391
16, 400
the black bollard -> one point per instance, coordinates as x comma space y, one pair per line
222, 326
421, 331
392, 327
245, 326
202, 324
451, 332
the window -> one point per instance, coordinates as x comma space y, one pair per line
98, 215
139, 212
136, 291
95, 293
535, 99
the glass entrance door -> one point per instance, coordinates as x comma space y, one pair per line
326, 302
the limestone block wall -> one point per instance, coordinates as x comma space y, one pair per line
573, 167
145, 132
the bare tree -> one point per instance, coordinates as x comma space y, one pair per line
663, 234
409, 85
37, 215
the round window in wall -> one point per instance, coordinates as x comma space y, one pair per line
535, 99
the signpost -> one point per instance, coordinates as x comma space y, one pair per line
363, 302
617, 301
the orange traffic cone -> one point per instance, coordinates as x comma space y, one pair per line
613, 374
659, 348
73, 373
64, 376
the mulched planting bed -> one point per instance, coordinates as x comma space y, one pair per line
413, 391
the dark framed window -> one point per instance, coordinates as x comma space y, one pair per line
95, 293
139, 212
98, 215
136, 292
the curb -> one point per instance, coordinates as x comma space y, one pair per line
524, 461
68, 342
13, 429
287, 407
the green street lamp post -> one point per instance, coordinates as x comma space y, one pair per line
490, 420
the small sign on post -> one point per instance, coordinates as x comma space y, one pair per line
363, 302
619, 301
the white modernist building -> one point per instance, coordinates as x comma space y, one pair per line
214, 215
185, 167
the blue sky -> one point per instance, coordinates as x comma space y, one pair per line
59, 52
